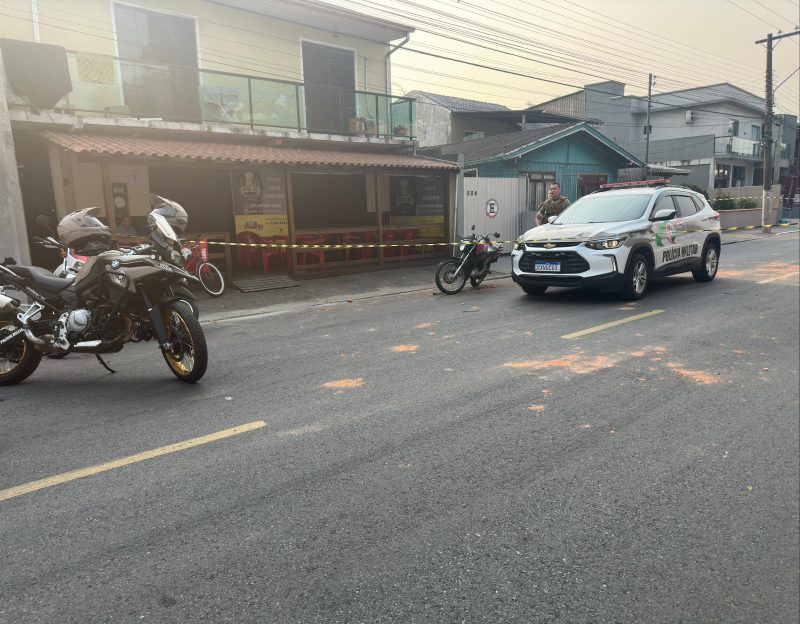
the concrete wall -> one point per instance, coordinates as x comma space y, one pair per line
739, 218
229, 39
459, 125
433, 123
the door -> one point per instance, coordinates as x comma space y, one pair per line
538, 186
667, 236
690, 228
329, 79
162, 80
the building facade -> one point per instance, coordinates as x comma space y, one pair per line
270, 122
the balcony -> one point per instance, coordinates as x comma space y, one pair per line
109, 86
734, 147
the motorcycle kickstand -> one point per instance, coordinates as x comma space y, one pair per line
103, 363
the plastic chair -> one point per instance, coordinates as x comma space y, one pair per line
389, 236
408, 235
304, 255
369, 238
279, 253
351, 238
248, 256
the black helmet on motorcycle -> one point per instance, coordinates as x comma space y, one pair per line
172, 211
84, 232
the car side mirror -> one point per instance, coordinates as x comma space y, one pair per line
665, 214
552, 218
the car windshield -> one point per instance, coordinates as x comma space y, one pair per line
602, 208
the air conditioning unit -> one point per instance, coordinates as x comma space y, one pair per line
689, 117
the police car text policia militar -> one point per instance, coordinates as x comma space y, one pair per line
619, 238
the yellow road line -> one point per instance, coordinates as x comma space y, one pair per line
598, 328
776, 278
27, 488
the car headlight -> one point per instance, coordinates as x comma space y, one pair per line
607, 243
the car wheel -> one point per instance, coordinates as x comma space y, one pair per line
637, 277
708, 264
532, 289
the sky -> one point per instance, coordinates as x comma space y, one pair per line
561, 45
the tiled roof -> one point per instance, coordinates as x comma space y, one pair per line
138, 147
459, 105
492, 146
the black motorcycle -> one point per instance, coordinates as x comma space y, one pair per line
115, 298
476, 256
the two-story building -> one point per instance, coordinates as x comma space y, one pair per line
713, 131
269, 122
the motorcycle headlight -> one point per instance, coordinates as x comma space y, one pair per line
607, 243
461, 247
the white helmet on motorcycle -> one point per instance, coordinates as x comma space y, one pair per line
84, 232
172, 211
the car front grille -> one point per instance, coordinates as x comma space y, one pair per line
571, 262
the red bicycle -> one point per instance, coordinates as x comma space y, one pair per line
195, 260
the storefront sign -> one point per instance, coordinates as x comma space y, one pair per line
259, 202
418, 200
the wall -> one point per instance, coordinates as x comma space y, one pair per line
461, 124
433, 123
229, 39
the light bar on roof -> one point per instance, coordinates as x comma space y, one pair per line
634, 184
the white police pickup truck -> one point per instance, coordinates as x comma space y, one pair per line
619, 238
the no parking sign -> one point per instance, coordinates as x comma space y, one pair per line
492, 208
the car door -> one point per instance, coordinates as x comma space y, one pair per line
690, 227
667, 234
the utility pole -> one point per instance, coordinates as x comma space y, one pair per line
768, 120
647, 127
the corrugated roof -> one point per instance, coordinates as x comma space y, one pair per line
492, 146
459, 105
138, 147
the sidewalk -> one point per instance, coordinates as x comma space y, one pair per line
340, 289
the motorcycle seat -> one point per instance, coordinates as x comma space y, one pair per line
43, 278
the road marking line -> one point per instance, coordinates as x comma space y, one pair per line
598, 328
27, 488
776, 278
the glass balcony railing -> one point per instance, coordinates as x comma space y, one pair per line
741, 147
115, 87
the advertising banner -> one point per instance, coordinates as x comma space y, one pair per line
259, 202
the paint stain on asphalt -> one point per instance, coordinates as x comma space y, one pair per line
637, 354
573, 363
586, 426
405, 348
738, 352
423, 325
536, 408
702, 377
344, 383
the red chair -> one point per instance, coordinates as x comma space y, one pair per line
389, 236
351, 238
304, 255
278, 253
408, 235
369, 238
248, 257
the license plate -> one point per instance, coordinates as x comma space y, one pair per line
547, 267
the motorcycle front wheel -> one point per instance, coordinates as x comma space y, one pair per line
210, 279
448, 278
187, 356
17, 361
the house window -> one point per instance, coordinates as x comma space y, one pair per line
162, 80
758, 176
733, 127
470, 135
330, 83
722, 176
538, 185
590, 182
755, 132
739, 176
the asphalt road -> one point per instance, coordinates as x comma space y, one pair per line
428, 459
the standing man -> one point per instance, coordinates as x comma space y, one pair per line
553, 205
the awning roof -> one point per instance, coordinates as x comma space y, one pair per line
138, 147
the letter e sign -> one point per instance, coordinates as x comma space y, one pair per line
491, 208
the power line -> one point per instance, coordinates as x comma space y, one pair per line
754, 15
764, 6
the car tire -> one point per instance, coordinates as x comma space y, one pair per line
532, 289
637, 277
709, 263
